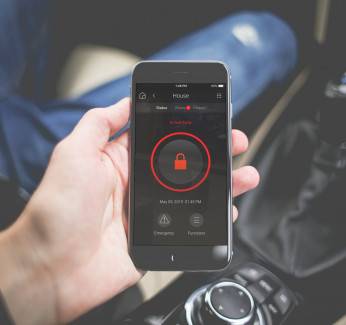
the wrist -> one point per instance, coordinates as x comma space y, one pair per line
26, 285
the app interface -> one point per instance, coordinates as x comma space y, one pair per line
180, 164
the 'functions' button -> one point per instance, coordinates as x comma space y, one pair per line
196, 220
283, 300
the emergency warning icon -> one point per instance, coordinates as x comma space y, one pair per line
164, 220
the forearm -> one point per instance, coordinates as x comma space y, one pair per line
27, 288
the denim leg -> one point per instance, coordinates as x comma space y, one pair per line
259, 49
23, 44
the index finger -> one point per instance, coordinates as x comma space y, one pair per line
240, 142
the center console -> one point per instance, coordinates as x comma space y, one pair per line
250, 291
246, 293
250, 295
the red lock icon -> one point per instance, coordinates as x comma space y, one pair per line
180, 162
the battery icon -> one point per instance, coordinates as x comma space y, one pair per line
220, 85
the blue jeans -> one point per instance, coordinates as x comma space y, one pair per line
259, 49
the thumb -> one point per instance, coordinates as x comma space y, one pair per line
98, 124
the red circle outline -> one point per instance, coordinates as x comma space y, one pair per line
180, 189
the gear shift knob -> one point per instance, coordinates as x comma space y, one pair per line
222, 303
228, 303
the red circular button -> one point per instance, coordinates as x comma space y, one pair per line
180, 164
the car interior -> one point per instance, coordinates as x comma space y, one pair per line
289, 258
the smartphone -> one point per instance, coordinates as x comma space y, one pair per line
180, 173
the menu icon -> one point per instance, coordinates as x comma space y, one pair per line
196, 220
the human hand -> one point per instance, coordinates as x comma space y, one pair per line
68, 250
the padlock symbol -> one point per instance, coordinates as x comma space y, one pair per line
180, 162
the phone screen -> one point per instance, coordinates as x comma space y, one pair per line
180, 164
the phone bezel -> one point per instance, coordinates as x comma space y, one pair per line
185, 258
